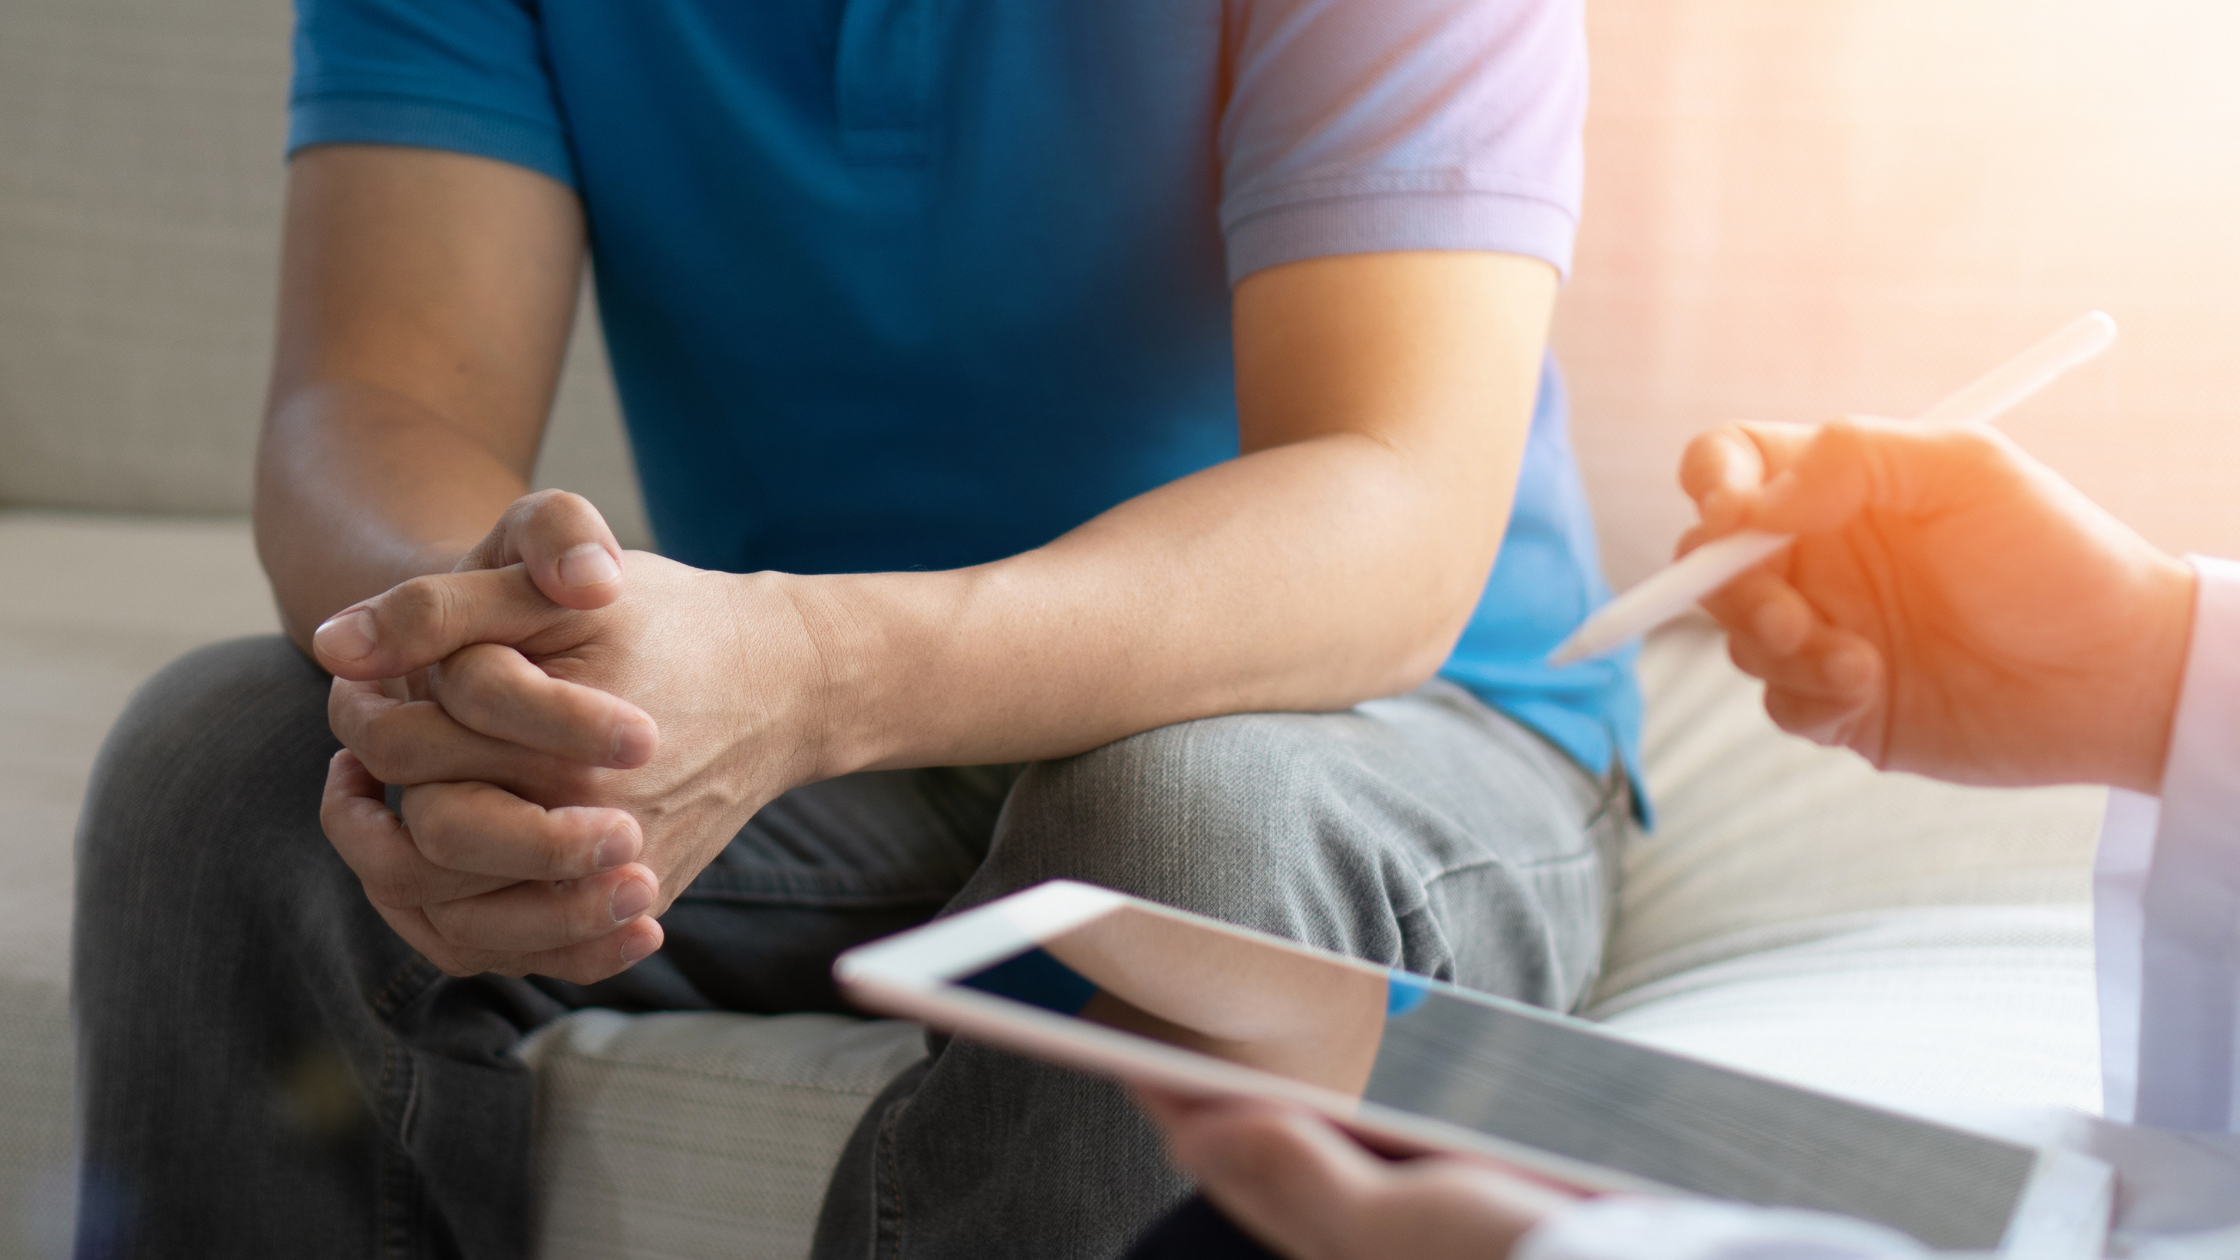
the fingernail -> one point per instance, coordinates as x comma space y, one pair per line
587, 565
615, 848
634, 742
629, 901
346, 636
636, 947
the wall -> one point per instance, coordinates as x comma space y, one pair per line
1796, 210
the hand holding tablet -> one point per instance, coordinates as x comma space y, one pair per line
1153, 996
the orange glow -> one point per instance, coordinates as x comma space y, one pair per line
1796, 209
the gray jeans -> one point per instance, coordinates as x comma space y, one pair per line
267, 1070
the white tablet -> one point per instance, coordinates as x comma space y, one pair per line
1090, 978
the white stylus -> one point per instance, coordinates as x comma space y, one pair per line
1669, 593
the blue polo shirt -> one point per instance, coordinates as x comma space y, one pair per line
916, 284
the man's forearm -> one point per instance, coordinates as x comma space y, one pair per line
425, 303
359, 489
1308, 577
1384, 403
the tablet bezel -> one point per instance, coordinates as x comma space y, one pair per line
2062, 1213
913, 975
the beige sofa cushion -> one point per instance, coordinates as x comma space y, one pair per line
93, 606
1764, 839
1882, 936
699, 1135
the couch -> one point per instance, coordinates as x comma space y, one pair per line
1884, 937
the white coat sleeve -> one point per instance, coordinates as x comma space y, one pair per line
2167, 899
1617, 1228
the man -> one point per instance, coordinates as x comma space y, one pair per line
1002, 541
1951, 607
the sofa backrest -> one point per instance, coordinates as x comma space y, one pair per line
140, 193
1793, 210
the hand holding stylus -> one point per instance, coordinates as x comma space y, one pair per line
1950, 606
1669, 593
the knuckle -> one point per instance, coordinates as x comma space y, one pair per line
522, 515
427, 608
455, 966
563, 506
1981, 450
384, 754
437, 835
390, 889
472, 686
575, 782
334, 820
1844, 436
561, 865
412, 601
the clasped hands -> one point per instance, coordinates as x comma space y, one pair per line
576, 731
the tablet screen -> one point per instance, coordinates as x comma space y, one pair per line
1399, 1041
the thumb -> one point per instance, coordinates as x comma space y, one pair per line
420, 622
564, 543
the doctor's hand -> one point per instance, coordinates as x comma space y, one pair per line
1951, 606
1303, 1188
566, 771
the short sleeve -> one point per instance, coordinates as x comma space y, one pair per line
469, 76
1357, 126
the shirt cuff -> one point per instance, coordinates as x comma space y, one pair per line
1370, 223
1691, 1229
2203, 769
2183, 898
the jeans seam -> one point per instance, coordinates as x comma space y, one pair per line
887, 1230
1588, 853
382, 1004
396, 1210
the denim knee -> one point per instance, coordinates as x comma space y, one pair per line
1252, 818
221, 751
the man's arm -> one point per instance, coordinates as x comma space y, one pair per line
425, 301
1385, 401
424, 308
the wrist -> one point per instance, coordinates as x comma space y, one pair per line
836, 639
2155, 676
891, 687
